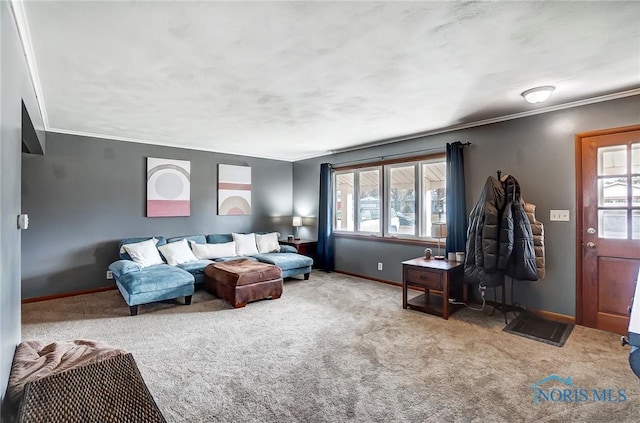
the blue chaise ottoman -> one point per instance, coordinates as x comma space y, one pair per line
147, 284
155, 283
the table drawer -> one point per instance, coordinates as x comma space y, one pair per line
429, 280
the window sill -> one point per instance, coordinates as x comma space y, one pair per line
395, 240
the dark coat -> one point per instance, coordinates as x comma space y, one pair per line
522, 262
499, 239
483, 249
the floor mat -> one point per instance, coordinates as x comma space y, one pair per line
547, 331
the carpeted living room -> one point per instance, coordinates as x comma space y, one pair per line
341, 348
308, 211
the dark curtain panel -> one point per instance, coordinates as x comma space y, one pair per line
456, 205
325, 219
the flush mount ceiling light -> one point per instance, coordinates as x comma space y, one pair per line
538, 94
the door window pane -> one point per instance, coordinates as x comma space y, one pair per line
344, 202
635, 189
635, 217
612, 160
402, 200
612, 224
612, 192
369, 196
635, 158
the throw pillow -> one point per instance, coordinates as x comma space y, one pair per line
245, 244
177, 252
268, 243
144, 253
214, 251
122, 267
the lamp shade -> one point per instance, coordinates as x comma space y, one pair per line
297, 221
438, 230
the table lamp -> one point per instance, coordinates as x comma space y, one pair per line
297, 222
439, 231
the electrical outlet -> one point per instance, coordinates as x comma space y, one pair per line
379, 266
109, 274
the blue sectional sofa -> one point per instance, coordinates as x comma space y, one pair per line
142, 284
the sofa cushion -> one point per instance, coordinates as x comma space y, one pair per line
288, 249
285, 261
231, 258
199, 239
214, 251
144, 253
195, 267
155, 278
177, 252
120, 267
268, 243
219, 238
245, 244
160, 240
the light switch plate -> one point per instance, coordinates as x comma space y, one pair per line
559, 215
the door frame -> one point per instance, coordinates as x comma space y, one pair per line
579, 218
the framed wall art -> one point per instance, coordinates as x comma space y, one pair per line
234, 190
168, 187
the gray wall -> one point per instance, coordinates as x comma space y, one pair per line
538, 150
15, 86
86, 194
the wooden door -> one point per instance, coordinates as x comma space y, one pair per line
608, 226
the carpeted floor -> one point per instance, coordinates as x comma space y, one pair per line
337, 348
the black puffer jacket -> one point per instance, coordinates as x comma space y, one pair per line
522, 263
499, 239
483, 253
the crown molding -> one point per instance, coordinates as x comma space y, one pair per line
20, 19
161, 144
570, 105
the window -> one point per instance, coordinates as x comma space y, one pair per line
619, 191
369, 200
343, 199
399, 200
402, 199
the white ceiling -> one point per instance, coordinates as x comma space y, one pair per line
291, 80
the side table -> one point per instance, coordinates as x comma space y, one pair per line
440, 276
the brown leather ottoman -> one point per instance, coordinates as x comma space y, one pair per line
242, 281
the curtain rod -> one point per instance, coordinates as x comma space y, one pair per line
464, 144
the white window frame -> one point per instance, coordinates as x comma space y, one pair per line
356, 199
421, 228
